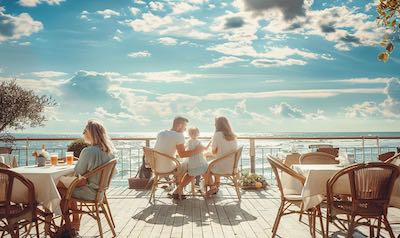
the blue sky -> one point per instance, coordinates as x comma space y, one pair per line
269, 66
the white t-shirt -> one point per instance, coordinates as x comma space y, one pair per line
223, 147
166, 143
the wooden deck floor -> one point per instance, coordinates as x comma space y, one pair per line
221, 216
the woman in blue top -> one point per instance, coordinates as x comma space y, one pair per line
99, 152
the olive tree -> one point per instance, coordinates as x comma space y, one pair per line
20, 107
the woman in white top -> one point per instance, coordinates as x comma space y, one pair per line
224, 142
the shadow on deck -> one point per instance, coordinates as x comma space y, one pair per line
221, 216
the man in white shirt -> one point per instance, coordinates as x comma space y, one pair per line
170, 142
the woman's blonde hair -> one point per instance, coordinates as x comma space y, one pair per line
99, 136
222, 125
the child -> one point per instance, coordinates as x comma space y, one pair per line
197, 165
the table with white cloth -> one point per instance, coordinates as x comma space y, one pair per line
45, 180
314, 190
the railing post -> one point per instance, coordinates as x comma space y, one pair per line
363, 149
378, 145
147, 143
27, 151
252, 156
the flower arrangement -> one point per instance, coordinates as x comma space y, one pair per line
77, 146
252, 181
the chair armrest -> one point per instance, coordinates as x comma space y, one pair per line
74, 185
218, 160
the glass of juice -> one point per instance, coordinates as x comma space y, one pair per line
53, 159
69, 157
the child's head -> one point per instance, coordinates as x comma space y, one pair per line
194, 132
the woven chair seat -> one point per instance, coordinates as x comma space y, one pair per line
14, 210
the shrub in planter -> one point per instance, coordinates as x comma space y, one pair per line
252, 181
77, 146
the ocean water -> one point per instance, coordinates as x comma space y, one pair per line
129, 153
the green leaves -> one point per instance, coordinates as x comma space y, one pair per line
388, 17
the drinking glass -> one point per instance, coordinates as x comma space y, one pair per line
53, 159
69, 157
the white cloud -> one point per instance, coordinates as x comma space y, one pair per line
43, 85
182, 7
108, 13
170, 25
268, 63
48, 74
285, 110
287, 9
85, 15
221, 62
164, 76
119, 117
15, 27
25, 43
141, 2
365, 110
156, 6
341, 25
167, 41
34, 3
304, 93
139, 54
363, 80
117, 38
134, 10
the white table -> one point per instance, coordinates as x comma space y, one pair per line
45, 180
314, 190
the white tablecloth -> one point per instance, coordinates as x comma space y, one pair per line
314, 190
45, 180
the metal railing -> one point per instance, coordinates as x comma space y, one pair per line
129, 150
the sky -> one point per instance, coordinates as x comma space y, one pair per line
268, 66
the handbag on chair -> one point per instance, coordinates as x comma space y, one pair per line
143, 178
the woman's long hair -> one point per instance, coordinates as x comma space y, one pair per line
99, 136
222, 125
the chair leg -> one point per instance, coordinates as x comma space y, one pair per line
237, 188
98, 220
327, 224
278, 219
320, 220
153, 189
388, 227
37, 228
109, 210
301, 211
351, 227
107, 215
378, 232
192, 188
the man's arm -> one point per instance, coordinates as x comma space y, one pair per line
187, 153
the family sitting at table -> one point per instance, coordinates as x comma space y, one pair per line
172, 142
169, 142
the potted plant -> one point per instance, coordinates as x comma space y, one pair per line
7, 142
252, 181
77, 146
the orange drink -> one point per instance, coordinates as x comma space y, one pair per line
69, 157
54, 159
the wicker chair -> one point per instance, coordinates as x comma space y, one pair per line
395, 159
287, 200
4, 166
385, 156
317, 158
154, 158
14, 215
92, 207
292, 159
370, 189
227, 166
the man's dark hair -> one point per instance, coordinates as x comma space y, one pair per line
179, 120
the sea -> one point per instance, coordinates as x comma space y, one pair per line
129, 152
